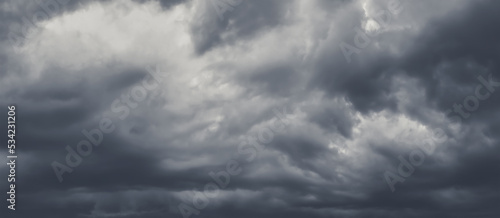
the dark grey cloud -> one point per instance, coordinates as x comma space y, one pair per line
226, 78
209, 28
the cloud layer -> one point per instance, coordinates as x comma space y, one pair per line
287, 108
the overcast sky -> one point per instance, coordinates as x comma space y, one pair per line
252, 108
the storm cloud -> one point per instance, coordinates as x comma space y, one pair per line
252, 108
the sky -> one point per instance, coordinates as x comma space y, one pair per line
251, 108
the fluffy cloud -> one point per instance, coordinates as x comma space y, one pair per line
267, 85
